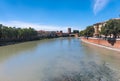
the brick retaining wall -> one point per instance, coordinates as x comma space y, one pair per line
112, 44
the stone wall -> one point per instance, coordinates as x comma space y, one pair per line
108, 43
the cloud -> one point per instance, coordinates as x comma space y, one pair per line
36, 26
99, 5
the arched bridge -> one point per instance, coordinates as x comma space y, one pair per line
74, 35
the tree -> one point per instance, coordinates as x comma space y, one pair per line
89, 31
112, 27
75, 31
14, 34
82, 33
0, 31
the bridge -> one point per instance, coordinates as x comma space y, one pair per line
74, 35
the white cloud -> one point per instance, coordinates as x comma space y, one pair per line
99, 5
36, 26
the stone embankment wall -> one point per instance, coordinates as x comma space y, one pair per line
107, 43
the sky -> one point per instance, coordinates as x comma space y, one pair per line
57, 14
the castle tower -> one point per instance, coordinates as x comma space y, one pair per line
69, 30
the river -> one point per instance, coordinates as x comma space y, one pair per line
56, 59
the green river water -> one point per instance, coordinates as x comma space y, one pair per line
54, 59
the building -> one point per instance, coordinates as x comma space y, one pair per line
69, 30
97, 28
42, 33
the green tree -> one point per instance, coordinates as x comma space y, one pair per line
112, 27
0, 31
75, 31
14, 34
82, 33
89, 31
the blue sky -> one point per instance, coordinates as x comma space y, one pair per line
57, 14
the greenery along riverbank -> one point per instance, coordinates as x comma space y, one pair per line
12, 35
110, 29
16, 34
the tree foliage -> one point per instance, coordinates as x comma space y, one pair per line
13, 33
89, 31
112, 27
75, 31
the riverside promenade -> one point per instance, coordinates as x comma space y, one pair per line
111, 45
